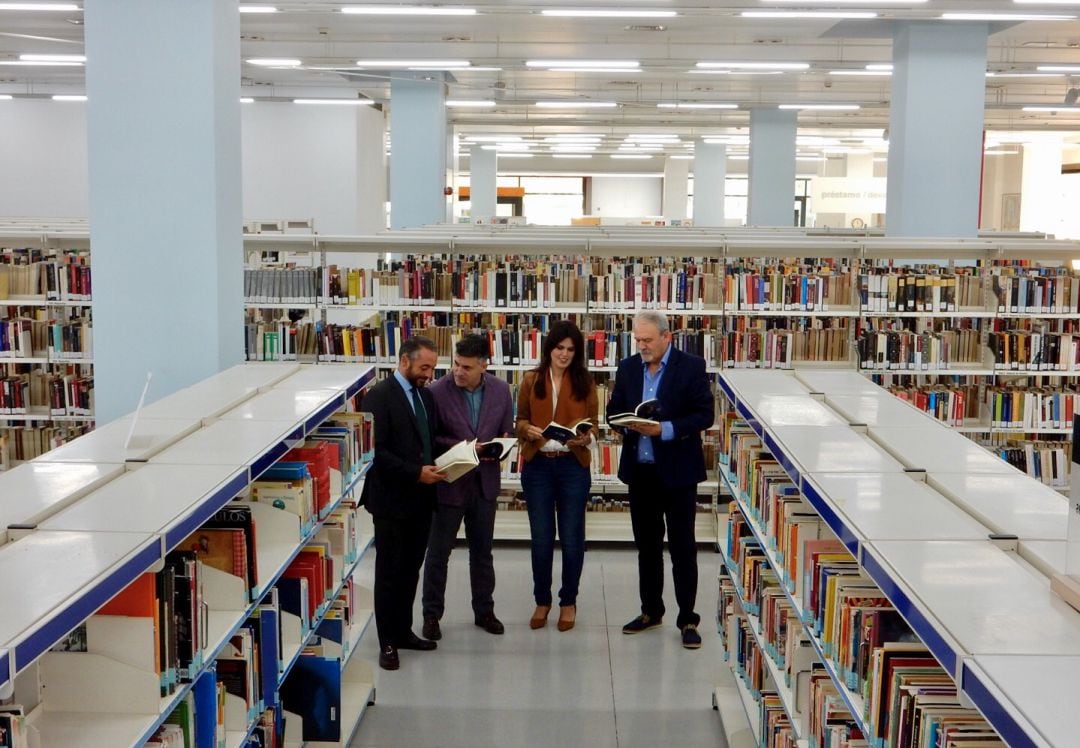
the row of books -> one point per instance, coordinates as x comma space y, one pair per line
911, 351
894, 291
56, 275
780, 348
47, 393
22, 337
788, 292
951, 404
21, 443
1026, 294
1046, 461
1032, 408
70, 340
1035, 351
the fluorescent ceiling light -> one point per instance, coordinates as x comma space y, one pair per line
493, 138
868, 73
515, 155
623, 71
574, 148
695, 105
407, 10
734, 72
576, 104
469, 103
39, 6
622, 64
652, 148
338, 102
1003, 17
881, 160
506, 147
246, 100
738, 158
610, 13
679, 157
572, 155
653, 136
808, 14
431, 64
815, 140
472, 69
1027, 75
755, 65
69, 97
1059, 68
824, 107
5, 97
53, 58
258, 9
880, 66
631, 155
276, 62
42, 64
570, 137
1052, 109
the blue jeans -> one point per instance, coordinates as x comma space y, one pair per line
556, 489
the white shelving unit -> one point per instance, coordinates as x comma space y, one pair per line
986, 614
95, 516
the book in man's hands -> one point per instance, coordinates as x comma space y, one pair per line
465, 455
496, 449
563, 434
647, 412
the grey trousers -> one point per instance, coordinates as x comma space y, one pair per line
479, 516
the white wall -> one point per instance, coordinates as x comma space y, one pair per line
43, 159
627, 196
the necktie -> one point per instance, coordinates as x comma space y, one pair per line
422, 424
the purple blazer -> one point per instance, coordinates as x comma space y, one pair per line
496, 419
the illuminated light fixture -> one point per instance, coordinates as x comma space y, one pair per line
572, 155
475, 103
570, 138
246, 100
679, 157
754, 65
590, 13
53, 58
653, 136
1027, 75
515, 155
866, 73
430, 64
274, 62
69, 97
650, 148
822, 107
713, 71
576, 104
43, 64
617, 71
1052, 109
471, 69
39, 6
1058, 68
258, 9
738, 158
621, 64
493, 138
881, 160
631, 155
695, 105
335, 102
5, 97
506, 147
1003, 17
583, 148
880, 66
809, 14
407, 10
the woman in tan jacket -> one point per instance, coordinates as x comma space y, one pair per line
556, 478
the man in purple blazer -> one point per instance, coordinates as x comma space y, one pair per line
471, 404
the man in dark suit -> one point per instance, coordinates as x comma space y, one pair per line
471, 404
399, 491
662, 462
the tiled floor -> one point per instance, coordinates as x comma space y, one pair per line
591, 686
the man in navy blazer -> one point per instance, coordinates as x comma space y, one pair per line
662, 463
471, 404
399, 491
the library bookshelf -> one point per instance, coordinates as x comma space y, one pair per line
905, 499
95, 518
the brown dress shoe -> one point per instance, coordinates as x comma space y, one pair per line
539, 617
567, 617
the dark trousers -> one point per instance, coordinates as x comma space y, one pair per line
399, 552
479, 516
651, 504
556, 489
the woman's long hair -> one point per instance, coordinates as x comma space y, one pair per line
580, 379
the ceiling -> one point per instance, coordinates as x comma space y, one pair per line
505, 36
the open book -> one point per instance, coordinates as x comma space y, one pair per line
647, 412
458, 460
563, 434
496, 449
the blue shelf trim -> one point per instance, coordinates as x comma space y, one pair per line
367, 378
727, 388
323, 413
5, 668
785, 461
944, 653
205, 511
996, 715
59, 624
263, 462
832, 519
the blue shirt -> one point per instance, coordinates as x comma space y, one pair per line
650, 385
474, 400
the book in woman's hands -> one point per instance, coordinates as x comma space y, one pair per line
458, 460
496, 449
647, 412
563, 434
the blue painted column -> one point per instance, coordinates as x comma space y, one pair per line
935, 126
772, 167
418, 153
710, 175
163, 141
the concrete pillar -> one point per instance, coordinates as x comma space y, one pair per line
710, 173
772, 167
676, 188
418, 159
483, 194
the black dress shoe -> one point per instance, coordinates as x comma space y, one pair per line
388, 658
431, 629
412, 641
489, 623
